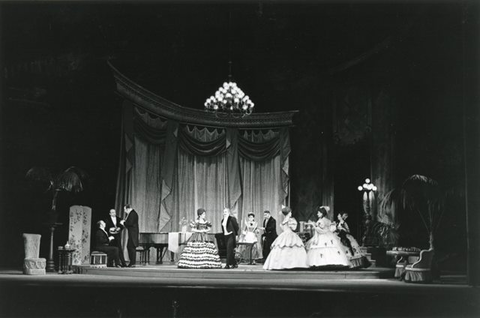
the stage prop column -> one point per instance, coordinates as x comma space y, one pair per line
79, 234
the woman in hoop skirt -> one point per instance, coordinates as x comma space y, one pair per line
351, 247
200, 252
287, 250
325, 248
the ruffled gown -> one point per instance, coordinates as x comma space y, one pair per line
287, 250
325, 248
200, 252
354, 255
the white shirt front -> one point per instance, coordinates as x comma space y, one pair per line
224, 225
114, 220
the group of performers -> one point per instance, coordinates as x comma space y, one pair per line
332, 245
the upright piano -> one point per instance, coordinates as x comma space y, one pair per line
157, 240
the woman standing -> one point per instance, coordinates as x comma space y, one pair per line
325, 248
249, 235
287, 250
351, 247
200, 252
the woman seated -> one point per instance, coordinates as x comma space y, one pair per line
200, 251
249, 235
351, 247
287, 250
325, 248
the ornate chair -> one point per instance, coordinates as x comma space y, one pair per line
32, 264
400, 268
421, 270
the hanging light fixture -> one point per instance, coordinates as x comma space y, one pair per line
229, 100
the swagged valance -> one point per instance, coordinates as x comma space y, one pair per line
158, 137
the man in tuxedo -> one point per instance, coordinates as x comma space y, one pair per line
230, 232
269, 233
114, 228
102, 240
131, 223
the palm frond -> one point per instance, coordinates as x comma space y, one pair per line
40, 175
69, 181
80, 172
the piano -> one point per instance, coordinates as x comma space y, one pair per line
157, 240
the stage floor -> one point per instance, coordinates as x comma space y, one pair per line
155, 290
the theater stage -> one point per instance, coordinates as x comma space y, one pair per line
243, 276
249, 291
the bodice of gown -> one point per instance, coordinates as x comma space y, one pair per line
202, 226
200, 236
323, 226
343, 226
290, 226
251, 226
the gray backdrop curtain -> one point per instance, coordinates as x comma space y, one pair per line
168, 170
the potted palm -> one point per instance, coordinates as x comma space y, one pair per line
70, 180
422, 195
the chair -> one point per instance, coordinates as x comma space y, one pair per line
98, 259
421, 270
32, 264
400, 269
143, 255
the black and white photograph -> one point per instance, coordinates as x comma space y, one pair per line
240, 158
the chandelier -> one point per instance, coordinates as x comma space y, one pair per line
229, 100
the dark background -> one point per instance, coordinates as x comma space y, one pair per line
59, 106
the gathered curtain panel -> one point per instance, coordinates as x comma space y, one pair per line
168, 170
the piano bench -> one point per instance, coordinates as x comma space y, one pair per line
144, 255
98, 259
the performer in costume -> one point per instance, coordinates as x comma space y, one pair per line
200, 252
131, 223
352, 249
102, 240
114, 228
287, 250
270, 233
249, 235
325, 248
230, 232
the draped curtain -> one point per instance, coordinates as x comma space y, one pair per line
169, 170
264, 184
201, 179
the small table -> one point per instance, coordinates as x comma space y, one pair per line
65, 261
250, 246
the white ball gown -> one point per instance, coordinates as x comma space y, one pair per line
287, 251
324, 249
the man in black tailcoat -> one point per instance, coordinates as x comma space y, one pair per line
114, 228
131, 223
230, 232
269, 233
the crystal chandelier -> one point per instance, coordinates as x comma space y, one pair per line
229, 100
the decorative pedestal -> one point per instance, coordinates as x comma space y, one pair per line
32, 264
79, 234
98, 260
65, 261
